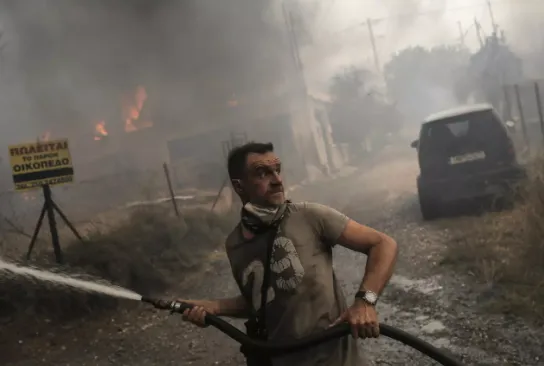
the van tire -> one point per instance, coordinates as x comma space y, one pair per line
428, 208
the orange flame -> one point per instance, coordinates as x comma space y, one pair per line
132, 107
100, 130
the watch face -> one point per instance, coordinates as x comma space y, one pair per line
371, 297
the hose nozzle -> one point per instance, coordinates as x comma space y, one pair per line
158, 303
173, 306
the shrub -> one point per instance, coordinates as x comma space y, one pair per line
142, 254
507, 249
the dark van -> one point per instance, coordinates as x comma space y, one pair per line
464, 154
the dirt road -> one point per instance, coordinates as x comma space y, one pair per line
424, 298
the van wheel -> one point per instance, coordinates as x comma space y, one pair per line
429, 209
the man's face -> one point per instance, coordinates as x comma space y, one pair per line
262, 183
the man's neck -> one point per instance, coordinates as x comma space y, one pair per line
256, 218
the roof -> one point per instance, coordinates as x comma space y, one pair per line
457, 111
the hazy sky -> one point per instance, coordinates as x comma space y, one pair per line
342, 38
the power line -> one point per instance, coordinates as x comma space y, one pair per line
427, 12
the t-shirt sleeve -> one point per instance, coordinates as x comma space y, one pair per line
328, 222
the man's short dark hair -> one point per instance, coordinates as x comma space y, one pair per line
236, 162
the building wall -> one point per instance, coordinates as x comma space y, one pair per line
268, 122
334, 154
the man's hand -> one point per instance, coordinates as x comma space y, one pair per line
363, 320
197, 314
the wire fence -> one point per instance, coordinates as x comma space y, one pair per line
523, 105
82, 201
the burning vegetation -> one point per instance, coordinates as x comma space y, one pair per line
132, 104
100, 130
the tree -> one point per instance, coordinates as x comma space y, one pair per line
422, 80
359, 114
493, 66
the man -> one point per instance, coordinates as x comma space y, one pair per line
303, 295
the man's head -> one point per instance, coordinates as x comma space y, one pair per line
254, 170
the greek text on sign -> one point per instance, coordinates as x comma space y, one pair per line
41, 163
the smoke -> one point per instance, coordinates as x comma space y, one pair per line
67, 63
523, 21
397, 24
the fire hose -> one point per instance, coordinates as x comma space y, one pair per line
282, 348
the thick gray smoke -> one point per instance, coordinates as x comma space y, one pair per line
67, 63
344, 39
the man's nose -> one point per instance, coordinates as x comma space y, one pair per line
276, 178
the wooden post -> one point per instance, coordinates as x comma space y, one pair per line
539, 106
167, 175
507, 110
521, 116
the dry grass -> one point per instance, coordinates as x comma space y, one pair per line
506, 249
147, 253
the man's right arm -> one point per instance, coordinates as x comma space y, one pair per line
235, 307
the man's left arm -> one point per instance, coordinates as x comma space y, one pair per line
381, 249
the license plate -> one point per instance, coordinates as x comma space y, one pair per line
465, 158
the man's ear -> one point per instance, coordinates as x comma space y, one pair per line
238, 186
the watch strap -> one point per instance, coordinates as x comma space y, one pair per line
362, 294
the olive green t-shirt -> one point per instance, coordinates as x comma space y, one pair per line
304, 296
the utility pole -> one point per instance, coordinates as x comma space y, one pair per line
373, 43
461, 34
295, 51
493, 24
479, 32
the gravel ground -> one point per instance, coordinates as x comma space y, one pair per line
423, 298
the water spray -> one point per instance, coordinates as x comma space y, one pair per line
58, 279
273, 348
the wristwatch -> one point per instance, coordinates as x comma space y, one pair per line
369, 297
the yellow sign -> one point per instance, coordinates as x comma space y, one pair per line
41, 163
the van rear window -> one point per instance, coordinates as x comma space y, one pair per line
472, 126
458, 129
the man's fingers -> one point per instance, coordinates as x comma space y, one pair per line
376, 331
201, 316
195, 315
369, 330
355, 325
355, 330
